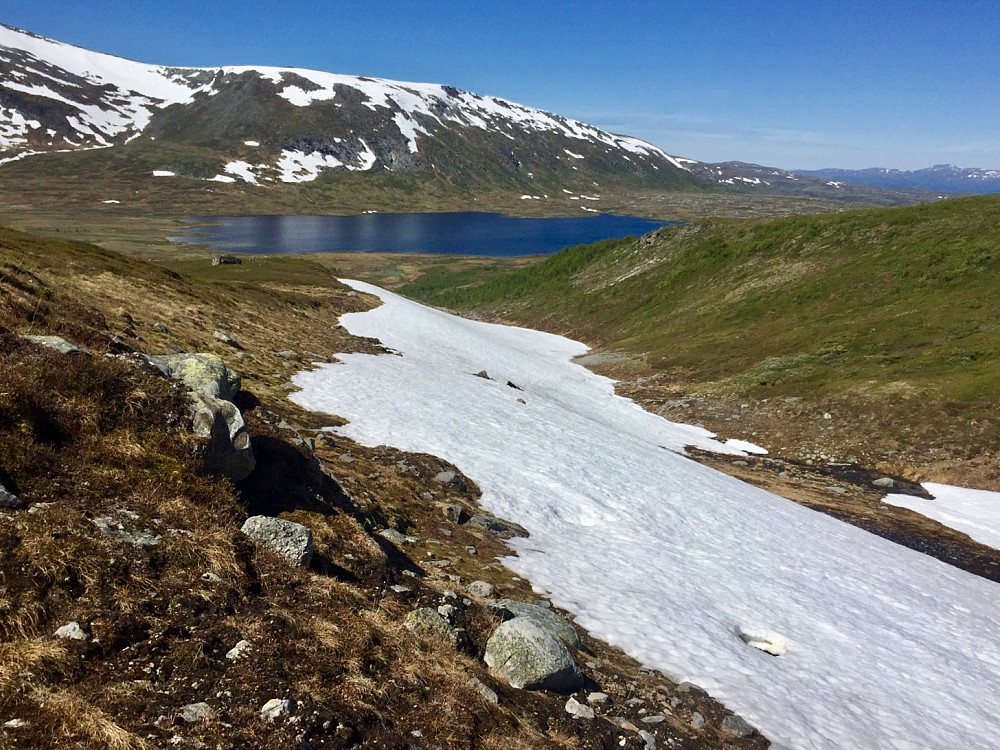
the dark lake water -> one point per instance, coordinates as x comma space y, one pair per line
466, 233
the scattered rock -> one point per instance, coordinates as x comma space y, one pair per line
579, 710
515, 386
225, 338
545, 618
836, 490
277, 708
736, 725
448, 477
394, 536
455, 513
503, 529
195, 713
289, 356
291, 540
139, 537
399, 589
697, 720
482, 589
648, 738
15, 724
160, 328
241, 649
597, 699
741, 463
885, 483
447, 611
57, 343
528, 656
226, 260
9, 499
488, 694
72, 631
428, 623
654, 719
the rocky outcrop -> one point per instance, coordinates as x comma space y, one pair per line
291, 540
57, 343
528, 656
213, 387
429, 623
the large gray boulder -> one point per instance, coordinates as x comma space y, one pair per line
213, 387
291, 540
202, 373
528, 656
429, 623
546, 619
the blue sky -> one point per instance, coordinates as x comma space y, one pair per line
801, 84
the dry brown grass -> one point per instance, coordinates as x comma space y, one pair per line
26, 662
75, 717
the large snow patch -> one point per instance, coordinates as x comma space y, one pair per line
683, 567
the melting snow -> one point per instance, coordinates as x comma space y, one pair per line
253, 144
973, 512
163, 173
682, 566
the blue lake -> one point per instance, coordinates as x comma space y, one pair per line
466, 233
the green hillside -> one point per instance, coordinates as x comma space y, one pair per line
899, 301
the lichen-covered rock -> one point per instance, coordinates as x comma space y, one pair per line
546, 619
736, 725
429, 623
498, 526
58, 343
291, 540
527, 656
202, 373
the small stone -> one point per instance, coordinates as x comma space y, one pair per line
211, 578
471, 550
447, 611
836, 490
347, 458
9, 499
277, 708
195, 713
160, 328
697, 720
483, 374
579, 710
482, 589
597, 699
448, 477
225, 338
289, 355
393, 536
15, 724
241, 649
400, 589
455, 513
884, 483
503, 529
654, 719
741, 463
72, 631
736, 725
648, 738
485, 691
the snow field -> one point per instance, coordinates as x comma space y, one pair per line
973, 512
690, 571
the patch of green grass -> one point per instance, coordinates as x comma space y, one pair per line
816, 304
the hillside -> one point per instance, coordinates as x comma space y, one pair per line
867, 336
136, 613
279, 133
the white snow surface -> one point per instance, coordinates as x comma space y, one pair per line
973, 512
884, 647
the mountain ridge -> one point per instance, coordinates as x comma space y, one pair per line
940, 177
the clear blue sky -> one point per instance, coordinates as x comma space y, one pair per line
795, 84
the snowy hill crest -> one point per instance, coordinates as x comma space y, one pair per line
57, 97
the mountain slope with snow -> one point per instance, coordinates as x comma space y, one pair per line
259, 125
878, 646
945, 178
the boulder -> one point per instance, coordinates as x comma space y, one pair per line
736, 725
277, 708
884, 483
203, 373
487, 693
291, 540
551, 622
72, 632
429, 623
527, 656
195, 713
213, 387
482, 589
226, 260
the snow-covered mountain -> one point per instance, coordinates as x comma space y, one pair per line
941, 177
285, 125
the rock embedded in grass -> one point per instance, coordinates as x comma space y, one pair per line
291, 540
429, 623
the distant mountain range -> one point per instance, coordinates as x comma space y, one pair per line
944, 178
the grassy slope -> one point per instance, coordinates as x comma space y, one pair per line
884, 301
85, 437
